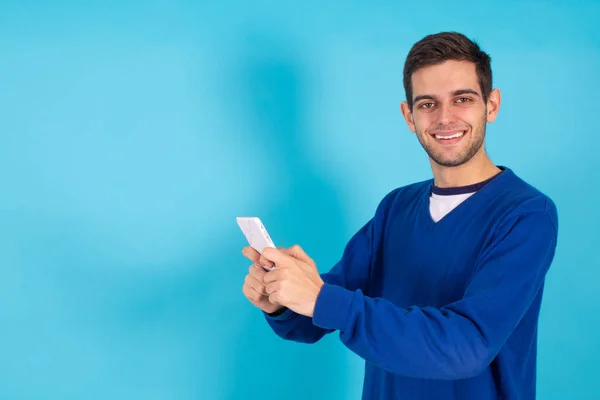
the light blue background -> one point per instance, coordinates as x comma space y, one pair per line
132, 135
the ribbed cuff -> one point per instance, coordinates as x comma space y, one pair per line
332, 307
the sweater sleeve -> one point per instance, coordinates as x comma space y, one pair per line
350, 273
460, 339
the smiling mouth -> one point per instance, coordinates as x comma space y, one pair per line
451, 137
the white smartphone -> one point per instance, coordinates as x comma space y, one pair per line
256, 234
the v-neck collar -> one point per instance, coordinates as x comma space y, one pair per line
470, 202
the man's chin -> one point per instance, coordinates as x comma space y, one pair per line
447, 160
449, 163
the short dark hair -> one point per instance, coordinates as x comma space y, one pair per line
439, 47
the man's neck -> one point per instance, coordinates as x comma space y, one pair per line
478, 169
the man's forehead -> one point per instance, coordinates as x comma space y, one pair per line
445, 79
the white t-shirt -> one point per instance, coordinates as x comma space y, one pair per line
444, 200
440, 205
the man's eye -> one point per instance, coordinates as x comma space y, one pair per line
463, 99
426, 105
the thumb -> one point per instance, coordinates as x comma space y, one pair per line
277, 256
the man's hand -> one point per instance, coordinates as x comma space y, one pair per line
295, 283
255, 290
254, 285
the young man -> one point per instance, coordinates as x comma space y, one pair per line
440, 291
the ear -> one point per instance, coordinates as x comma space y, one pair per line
408, 116
493, 105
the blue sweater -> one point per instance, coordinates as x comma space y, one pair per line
445, 310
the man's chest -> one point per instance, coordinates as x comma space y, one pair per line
427, 265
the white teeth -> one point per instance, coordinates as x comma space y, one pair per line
456, 135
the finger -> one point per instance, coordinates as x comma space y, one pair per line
271, 276
263, 261
276, 298
257, 272
251, 294
255, 282
272, 288
297, 252
277, 256
250, 253
257, 286
278, 274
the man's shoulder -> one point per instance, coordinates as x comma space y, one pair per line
521, 198
408, 192
527, 197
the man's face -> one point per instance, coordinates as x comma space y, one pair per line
449, 114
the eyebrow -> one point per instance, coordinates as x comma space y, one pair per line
455, 93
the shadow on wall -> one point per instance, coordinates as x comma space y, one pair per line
275, 94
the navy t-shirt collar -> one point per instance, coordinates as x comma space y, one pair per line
451, 191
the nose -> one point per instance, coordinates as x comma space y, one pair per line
446, 115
